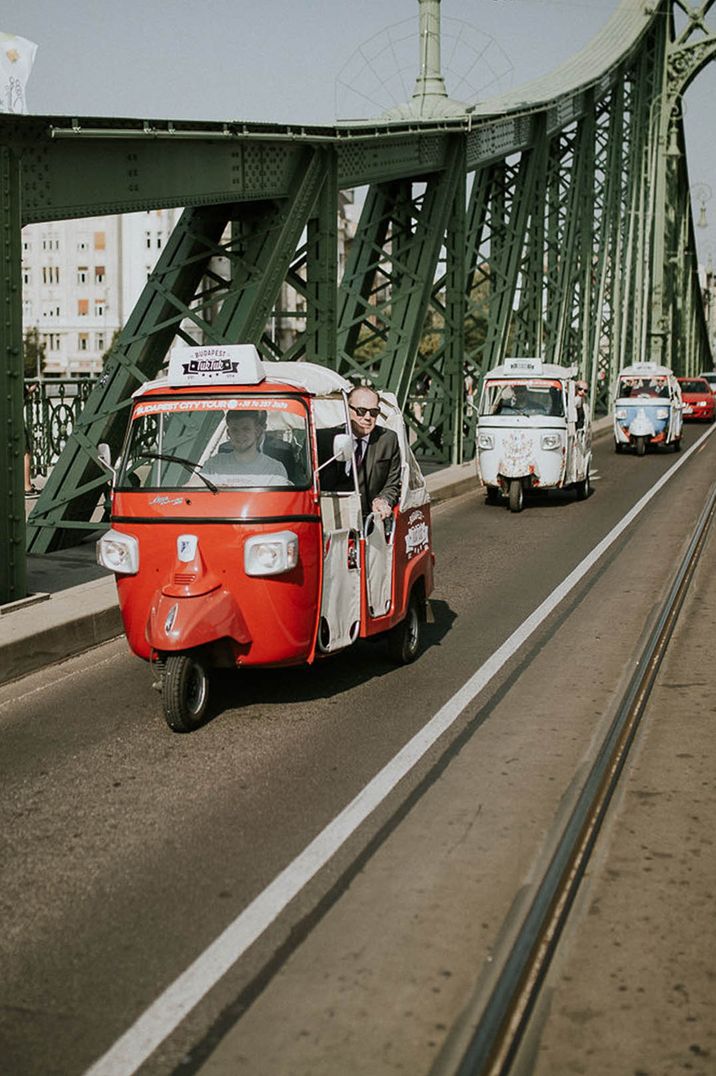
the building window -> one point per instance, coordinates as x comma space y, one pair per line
99, 274
99, 240
51, 341
26, 276
99, 342
50, 274
82, 272
83, 341
148, 239
99, 308
159, 242
83, 307
82, 244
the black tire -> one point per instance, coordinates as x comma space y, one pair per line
641, 446
516, 496
584, 488
618, 447
185, 692
492, 494
677, 444
403, 641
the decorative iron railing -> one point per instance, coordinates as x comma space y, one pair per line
51, 410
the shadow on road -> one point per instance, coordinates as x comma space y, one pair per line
365, 661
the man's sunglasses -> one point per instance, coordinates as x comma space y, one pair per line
363, 411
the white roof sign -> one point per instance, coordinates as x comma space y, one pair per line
523, 365
229, 364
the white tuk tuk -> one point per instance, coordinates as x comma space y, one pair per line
534, 431
647, 408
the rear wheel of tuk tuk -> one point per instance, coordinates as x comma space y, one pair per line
640, 446
584, 487
492, 494
403, 640
516, 495
185, 692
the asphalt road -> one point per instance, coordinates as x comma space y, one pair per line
126, 850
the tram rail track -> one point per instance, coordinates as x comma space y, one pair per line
497, 1030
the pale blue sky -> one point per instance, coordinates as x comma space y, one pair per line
279, 60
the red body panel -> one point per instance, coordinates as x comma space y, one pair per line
272, 619
413, 561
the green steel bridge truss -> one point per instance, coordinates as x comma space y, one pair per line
555, 221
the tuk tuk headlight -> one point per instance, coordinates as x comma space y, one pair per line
551, 441
620, 412
118, 552
271, 554
485, 440
662, 412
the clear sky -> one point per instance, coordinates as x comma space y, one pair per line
307, 61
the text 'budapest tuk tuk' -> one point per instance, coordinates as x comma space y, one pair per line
226, 550
533, 431
647, 408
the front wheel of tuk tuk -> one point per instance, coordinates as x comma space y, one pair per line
640, 446
185, 692
403, 641
516, 495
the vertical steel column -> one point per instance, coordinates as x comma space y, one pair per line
13, 576
322, 270
454, 332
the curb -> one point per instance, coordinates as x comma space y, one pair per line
62, 625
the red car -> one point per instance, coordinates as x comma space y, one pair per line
699, 401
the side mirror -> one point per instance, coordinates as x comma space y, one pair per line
342, 447
104, 458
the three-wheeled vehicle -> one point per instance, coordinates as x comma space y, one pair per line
647, 408
224, 563
533, 431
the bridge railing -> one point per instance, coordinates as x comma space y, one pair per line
51, 410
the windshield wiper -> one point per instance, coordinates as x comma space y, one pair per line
190, 465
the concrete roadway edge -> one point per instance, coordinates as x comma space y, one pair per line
44, 629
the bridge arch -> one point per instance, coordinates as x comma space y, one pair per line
554, 219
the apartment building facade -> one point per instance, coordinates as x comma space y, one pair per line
81, 279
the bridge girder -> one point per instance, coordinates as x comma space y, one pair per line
576, 208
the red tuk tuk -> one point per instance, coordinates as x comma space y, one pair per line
262, 567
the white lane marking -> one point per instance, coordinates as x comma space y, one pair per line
170, 1008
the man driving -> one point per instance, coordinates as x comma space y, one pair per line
242, 462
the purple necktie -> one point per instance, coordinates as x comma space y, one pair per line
359, 454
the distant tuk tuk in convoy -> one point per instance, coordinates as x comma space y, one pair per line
533, 431
216, 569
648, 409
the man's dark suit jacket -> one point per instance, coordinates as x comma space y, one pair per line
378, 474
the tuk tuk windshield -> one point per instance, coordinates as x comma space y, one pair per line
522, 397
655, 387
236, 443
